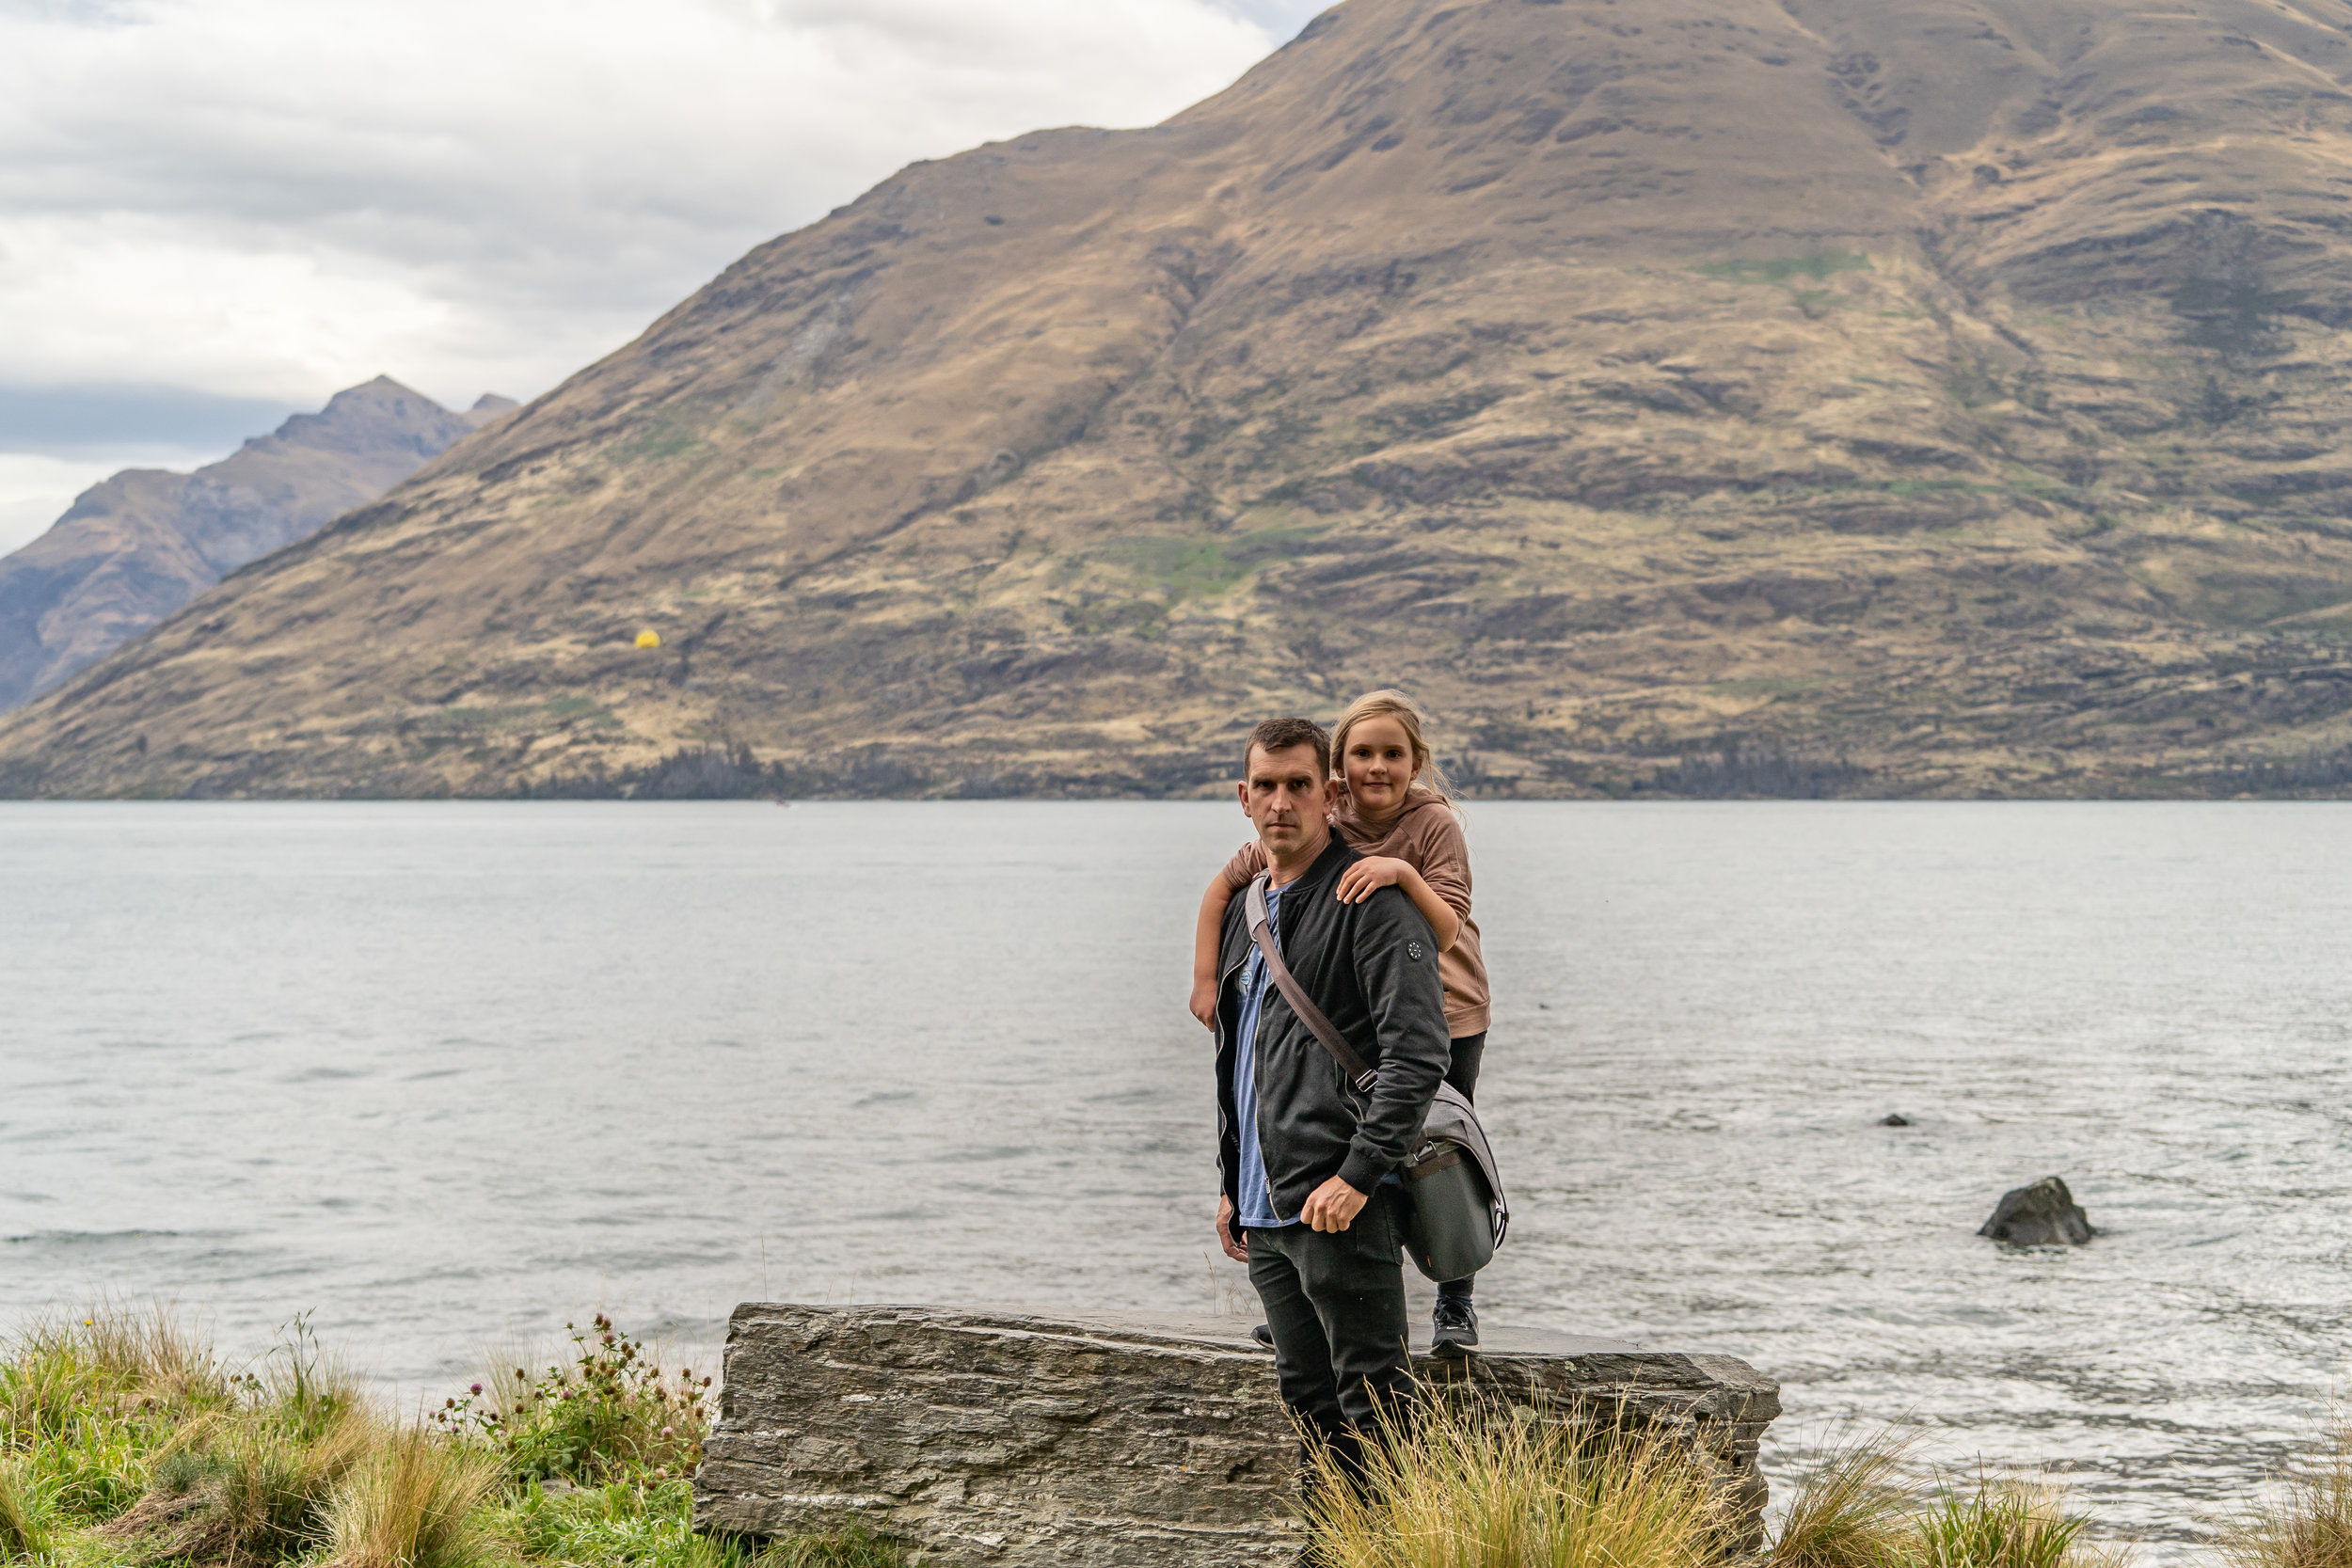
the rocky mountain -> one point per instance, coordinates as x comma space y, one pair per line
137, 548
1707, 396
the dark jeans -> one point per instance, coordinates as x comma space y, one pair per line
1336, 1305
1462, 1072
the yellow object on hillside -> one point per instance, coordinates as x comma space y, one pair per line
649, 639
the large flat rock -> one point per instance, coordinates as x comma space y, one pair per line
1004, 1437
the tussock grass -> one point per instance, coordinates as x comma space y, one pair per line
24, 1531
1856, 1509
1853, 1510
247, 1489
244, 1479
1466, 1491
89, 1399
2002, 1522
412, 1502
112, 1362
2309, 1524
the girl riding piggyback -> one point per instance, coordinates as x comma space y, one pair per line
1397, 811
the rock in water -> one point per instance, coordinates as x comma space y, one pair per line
2044, 1215
1112, 1442
1894, 1118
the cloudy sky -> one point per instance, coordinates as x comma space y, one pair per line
214, 212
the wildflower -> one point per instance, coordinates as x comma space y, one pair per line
475, 1389
669, 1432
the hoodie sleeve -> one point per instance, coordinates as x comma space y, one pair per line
1441, 856
1396, 964
1243, 867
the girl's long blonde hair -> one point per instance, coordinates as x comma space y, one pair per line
1428, 773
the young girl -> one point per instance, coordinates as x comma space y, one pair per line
1397, 811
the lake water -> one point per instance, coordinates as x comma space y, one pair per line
447, 1076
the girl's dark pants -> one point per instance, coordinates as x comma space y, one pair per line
1463, 1075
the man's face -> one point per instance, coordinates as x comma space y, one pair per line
1288, 798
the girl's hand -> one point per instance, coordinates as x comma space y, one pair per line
1377, 871
1204, 1002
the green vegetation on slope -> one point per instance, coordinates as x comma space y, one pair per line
125, 1443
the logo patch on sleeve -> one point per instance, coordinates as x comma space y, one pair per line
1414, 950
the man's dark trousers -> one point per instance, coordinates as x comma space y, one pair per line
1336, 1304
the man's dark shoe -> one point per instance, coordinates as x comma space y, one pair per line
1457, 1326
1263, 1334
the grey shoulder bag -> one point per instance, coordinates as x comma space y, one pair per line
1455, 1213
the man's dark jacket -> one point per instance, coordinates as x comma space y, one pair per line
1372, 969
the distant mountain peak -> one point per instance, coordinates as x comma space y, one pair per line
141, 543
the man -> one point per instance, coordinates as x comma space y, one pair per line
1310, 1198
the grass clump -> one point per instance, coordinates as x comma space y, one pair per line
413, 1502
116, 1365
2002, 1524
247, 1489
1856, 1509
245, 1479
1466, 1491
2308, 1524
86, 1400
1853, 1510
24, 1528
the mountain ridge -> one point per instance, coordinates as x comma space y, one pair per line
1938, 396
138, 546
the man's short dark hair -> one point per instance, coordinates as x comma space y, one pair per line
1280, 734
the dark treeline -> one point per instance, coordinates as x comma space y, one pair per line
1743, 771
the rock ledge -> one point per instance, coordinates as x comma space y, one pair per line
1103, 1442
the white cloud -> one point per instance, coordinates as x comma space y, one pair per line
279, 198
273, 200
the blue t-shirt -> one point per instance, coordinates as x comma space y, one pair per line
1256, 1208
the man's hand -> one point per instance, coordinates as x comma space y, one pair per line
1204, 1000
1359, 880
1333, 1207
1237, 1251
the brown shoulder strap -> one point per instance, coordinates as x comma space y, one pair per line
1262, 933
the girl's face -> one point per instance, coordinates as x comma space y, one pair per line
1378, 765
